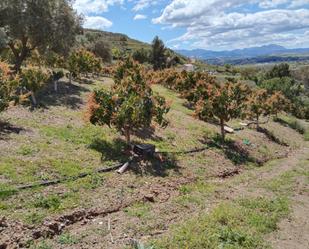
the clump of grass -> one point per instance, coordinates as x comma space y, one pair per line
140, 210
67, 239
34, 218
241, 224
26, 150
50, 202
6, 191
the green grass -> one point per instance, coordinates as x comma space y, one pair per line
67, 239
140, 210
306, 135
292, 123
237, 225
50, 202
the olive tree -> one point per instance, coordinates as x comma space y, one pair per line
38, 24
130, 105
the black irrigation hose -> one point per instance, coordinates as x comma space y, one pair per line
101, 170
183, 152
66, 179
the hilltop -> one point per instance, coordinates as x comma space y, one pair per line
119, 41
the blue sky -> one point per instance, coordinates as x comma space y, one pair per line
207, 24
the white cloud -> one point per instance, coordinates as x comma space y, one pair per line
139, 17
144, 4
97, 22
87, 7
226, 24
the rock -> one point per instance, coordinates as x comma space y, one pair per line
149, 198
3, 246
37, 234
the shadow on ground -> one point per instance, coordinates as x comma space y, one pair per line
233, 150
6, 129
68, 95
271, 136
158, 165
147, 133
117, 150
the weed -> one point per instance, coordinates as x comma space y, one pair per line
26, 150
67, 239
34, 218
50, 202
140, 210
6, 191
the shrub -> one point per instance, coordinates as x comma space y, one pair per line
8, 85
33, 79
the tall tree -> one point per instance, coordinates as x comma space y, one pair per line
158, 54
38, 24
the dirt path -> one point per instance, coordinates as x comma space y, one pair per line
294, 231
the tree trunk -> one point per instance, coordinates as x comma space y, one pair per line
222, 130
56, 85
70, 78
20, 56
127, 135
257, 122
33, 98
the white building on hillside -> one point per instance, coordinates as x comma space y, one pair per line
189, 67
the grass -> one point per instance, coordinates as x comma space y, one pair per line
295, 124
140, 210
67, 239
306, 135
239, 224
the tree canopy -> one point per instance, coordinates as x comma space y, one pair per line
158, 54
38, 24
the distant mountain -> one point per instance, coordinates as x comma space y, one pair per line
237, 55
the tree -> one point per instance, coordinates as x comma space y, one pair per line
8, 85
222, 103
130, 105
82, 62
279, 71
257, 105
57, 74
38, 24
158, 54
32, 79
288, 86
102, 50
141, 55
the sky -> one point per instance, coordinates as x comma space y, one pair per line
204, 24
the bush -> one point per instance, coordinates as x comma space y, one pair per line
33, 79
8, 85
